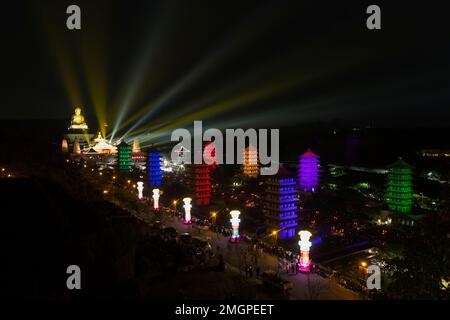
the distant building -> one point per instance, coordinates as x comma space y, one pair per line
399, 192
308, 172
434, 153
281, 203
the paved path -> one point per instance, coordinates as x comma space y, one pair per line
306, 286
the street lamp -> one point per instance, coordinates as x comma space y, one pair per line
275, 236
213, 216
174, 207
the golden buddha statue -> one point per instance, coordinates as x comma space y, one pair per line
78, 120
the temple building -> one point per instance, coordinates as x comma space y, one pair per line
281, 203
102, 146
399, 192
308, 172
250, 165
78, 130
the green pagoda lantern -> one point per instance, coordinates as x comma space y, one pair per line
399, 192
124, 157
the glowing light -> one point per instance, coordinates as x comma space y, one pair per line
140, 188
187, 210
155, 199
64, 146
105, 191
235, 224
308, 171
305, 245
76, 147
399, 193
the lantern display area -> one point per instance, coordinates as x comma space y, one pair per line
235, 225
304, 243
308, 171
140, 188
187, 210
250, 165
154, 168
399, 192
124, 157
155, 199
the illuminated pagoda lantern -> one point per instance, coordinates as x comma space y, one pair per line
124, 157
199, 183
76, 147
137, 156
235, 225
64, 146
155, 199
154, 167
399, 192
308, 171
281, 203
187, 210
250, 165
304, 243
78, 130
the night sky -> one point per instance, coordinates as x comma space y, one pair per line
141, 66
